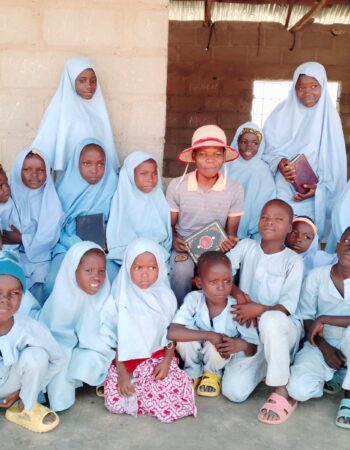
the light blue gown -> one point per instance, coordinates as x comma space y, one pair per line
340, 219
258, 182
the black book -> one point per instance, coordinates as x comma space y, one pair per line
91, 228
208, 238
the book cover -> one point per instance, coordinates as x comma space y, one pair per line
91, 228
208, 238
304, 173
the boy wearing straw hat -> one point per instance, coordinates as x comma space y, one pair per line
200, 197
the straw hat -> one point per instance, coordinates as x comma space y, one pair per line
208, 136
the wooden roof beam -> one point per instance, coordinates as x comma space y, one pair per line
308, 16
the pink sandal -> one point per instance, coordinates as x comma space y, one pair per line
278, 405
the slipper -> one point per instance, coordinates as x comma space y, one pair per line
209, 379
343, 411
32, 419
334, 385
278, 405
100, 390
195, 382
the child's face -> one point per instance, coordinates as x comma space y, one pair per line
4, 187
144, 270
91, 272
308, 90
146, 176
343, 250
275, 223
248, 145
92, 163
209, 160
86, 84
216, 281
33, 172
10, 296
301, 237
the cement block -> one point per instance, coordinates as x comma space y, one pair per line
18, 25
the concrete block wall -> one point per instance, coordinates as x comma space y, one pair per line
126, 40
215, 86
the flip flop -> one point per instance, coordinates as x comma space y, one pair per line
334, 385
195, 382
209, 379
100, 390
32, 419
278, 405
345, 412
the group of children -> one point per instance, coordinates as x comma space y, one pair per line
268, 305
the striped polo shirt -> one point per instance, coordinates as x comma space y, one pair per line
197, 208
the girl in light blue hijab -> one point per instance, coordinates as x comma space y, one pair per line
253, 174
340, 219
86, 188
139, 208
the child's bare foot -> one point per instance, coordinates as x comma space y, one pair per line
280, 410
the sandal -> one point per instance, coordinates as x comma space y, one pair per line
278, 405
32, 419
334, 385
195, 382
209, 379
343, 411
100, 390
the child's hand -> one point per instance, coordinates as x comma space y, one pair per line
125, 386
333, 356
12, 237
161, 371
215, 338
10, 400
241, 297
298, 197
315, 329
228, 244
288, 171
179, 244
247, 313
227, 347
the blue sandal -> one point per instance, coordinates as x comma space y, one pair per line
334, 385
343, 411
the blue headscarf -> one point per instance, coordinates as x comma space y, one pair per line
257, 180
137, 214
40, 214
316, 132
79, 198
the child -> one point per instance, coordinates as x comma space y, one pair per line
253, 174
8, 212
145, 370
208, 340
29, 356
40, 214
303, 239
340, 218
139, 208
325, 309
200, 197
268, 293
86, 188
76, 111
307, 122
73, 312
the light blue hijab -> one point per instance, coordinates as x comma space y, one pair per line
137, 214
40, 214
79, 198
257, 180
293, 128
340, 219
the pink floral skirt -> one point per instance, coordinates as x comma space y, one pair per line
168, 400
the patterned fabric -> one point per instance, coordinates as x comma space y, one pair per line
168, 400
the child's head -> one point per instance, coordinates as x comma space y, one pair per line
214, 276
249, 142
92, 163
308, 90
91, 271
146, 175
302, 234
33, 171
144, 270
4, 186
343, 249
86, 84
12, 286
275, 221
209, 150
